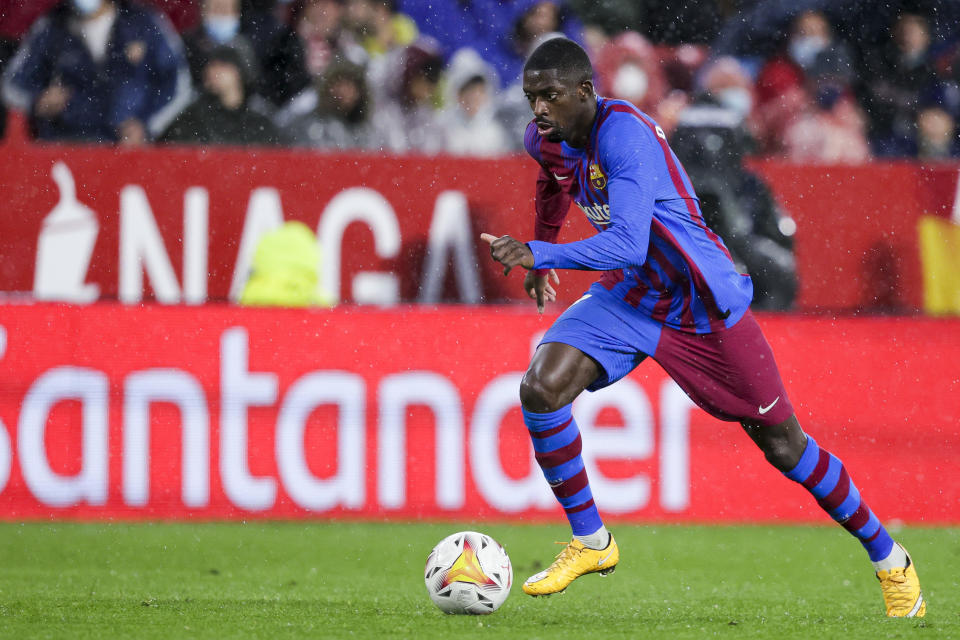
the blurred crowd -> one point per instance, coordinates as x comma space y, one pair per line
808, 80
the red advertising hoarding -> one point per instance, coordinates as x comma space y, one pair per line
175, 412
179, 225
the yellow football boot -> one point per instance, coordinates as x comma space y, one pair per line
574, 561
901, 591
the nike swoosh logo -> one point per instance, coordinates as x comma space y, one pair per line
561, 177
605, 558
763, 410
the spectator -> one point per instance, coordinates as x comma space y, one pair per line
629, 68
320, 29
469, 117
320, 26
99, 70
283, 72
409, 106
896, 82
378, 27
936, 135
711, 140
220, 27
528, 21
830, 128
343, 117
787, 83
221, 115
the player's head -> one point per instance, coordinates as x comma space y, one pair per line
564, 55
558, 83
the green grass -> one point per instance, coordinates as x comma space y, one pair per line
350, 580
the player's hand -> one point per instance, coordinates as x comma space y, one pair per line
509, 252
539, 288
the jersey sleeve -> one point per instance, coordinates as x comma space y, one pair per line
531, 142
551, 202
627, 153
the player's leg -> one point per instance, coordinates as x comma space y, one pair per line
557, 374
801, 459
733, 376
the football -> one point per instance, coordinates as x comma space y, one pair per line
468, 572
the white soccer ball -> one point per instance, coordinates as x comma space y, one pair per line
468, 572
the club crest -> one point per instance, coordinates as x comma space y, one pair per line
597, 179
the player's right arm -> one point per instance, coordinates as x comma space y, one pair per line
627, 155
551, 205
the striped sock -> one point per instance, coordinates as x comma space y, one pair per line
823, 475
556, 443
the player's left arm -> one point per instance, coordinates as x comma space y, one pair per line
626, 153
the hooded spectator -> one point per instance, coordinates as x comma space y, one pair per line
407, 106
99, 70
469, 117
219, 27
343, 117
221, 114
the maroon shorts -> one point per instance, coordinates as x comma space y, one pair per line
731, 374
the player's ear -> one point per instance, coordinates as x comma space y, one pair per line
585, 90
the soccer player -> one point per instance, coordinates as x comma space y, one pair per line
670, 291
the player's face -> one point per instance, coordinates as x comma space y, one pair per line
559, 105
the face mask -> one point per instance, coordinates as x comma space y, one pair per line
222, 28
737, 99
86, 7
805, 49
630, 82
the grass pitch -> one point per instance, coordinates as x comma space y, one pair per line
350, 580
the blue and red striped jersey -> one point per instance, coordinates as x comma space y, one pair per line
658, 253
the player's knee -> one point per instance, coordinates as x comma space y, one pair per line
539, 394
782, 453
